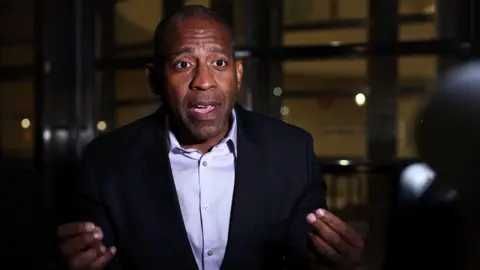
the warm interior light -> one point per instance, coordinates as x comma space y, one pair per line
25, 123
360, 99
344, 162
101, 125
335, 43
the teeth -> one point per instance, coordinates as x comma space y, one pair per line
203, 106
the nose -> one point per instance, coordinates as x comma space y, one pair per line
203, 79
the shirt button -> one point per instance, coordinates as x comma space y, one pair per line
204, 163
206, 207
210, 253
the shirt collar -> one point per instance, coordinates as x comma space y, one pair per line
230, 139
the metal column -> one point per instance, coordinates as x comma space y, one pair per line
381, 120
269, 19
64, 85
108, 48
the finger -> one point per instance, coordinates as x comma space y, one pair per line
100, 262
340, 227
70, 229
77, 243
85, 258
324, 249
332, 238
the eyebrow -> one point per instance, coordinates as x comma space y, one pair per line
192, 50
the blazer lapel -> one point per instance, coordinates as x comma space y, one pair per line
159, 181
246, 203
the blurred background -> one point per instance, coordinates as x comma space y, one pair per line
354, 73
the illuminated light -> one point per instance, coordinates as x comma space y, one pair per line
47, 135
344, 162
360, 99
25, 123
277, 91
284, 110
335, 43
101, 125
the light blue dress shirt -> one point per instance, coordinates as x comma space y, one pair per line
204, 184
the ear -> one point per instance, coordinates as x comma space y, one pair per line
153, 78
239, 73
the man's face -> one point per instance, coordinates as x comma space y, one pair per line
202, 77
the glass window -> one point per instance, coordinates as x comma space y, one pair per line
329, 74
17, 55
17, 119
136, 20
16, 98
417, 31
301, 11
419, 74
319, 96
424, 11
205, 3
127, 114
16, 138
324, 37
336, 124
132, 85
417, 6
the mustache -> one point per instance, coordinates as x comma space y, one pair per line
205, 99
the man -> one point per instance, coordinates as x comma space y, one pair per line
202, 183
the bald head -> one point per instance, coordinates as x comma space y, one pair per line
167, 27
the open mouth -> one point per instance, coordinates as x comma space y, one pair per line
203, 111
203, 108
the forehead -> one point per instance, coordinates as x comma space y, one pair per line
199, 31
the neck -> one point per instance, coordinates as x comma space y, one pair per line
188, 141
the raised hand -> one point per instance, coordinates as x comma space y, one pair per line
81, 246
334, 240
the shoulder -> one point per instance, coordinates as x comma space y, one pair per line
273, 131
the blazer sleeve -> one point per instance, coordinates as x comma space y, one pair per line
298, 254
85, 201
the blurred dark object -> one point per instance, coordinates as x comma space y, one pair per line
448, 136
435, 217
425, 226
25, 242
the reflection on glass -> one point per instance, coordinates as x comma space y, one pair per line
336, 123
127, 114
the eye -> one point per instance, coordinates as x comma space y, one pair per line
220, 63
182, 64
